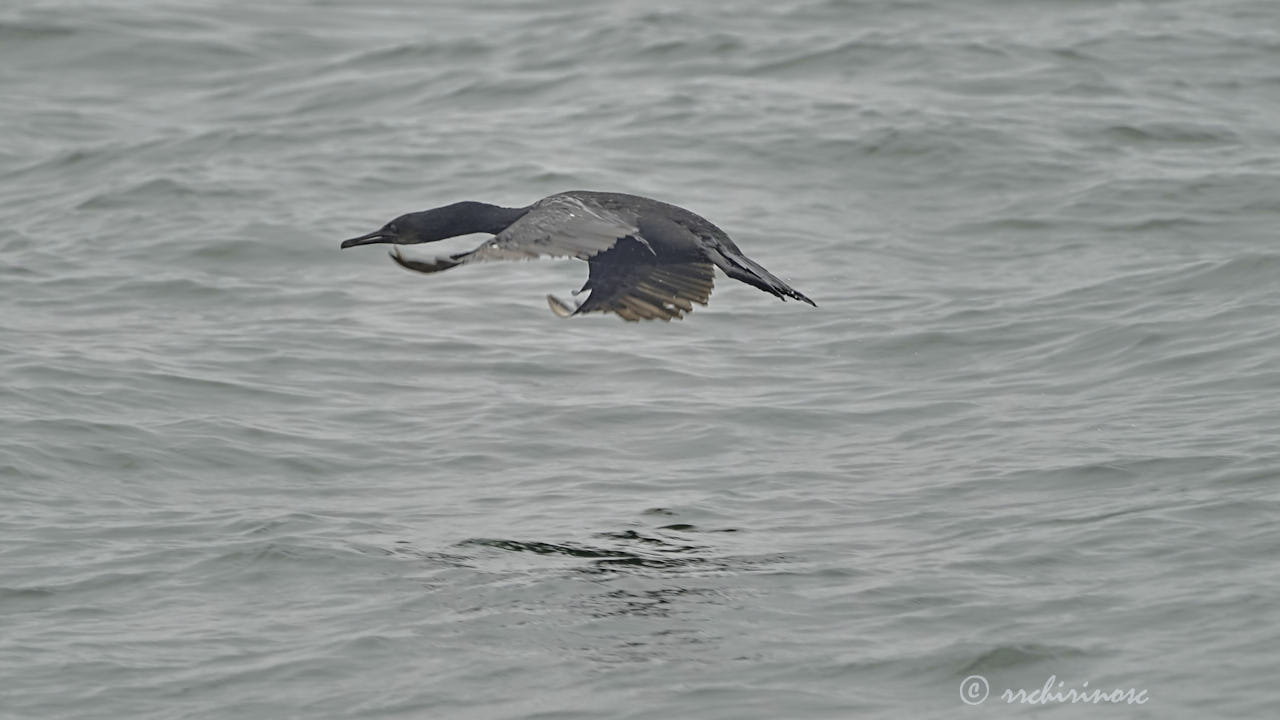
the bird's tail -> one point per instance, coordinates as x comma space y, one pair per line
741, 267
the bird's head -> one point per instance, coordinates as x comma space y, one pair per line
431, 225
408, 229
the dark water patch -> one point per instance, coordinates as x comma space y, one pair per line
654, 603
1007, 657
19, 599
453, 49
162, 191
1170, 223
25, 34
88, 582
657, 544
634, 551
543, 548
1172, 134
253, 559
844, 58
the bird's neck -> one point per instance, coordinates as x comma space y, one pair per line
493, 219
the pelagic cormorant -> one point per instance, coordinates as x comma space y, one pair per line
647, 259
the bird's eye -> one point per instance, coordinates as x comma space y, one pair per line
391, 227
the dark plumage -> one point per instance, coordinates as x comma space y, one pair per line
647, 259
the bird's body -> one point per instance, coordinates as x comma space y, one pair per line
647, 259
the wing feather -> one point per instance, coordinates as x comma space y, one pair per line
627, 280
561, 226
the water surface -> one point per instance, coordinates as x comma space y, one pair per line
1029, 432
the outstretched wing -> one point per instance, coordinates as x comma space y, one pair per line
627, 279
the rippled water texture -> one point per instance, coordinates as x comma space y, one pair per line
1029, 432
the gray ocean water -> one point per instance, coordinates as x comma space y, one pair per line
1029, 434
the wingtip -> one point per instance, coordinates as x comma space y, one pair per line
794, 295
801, 297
